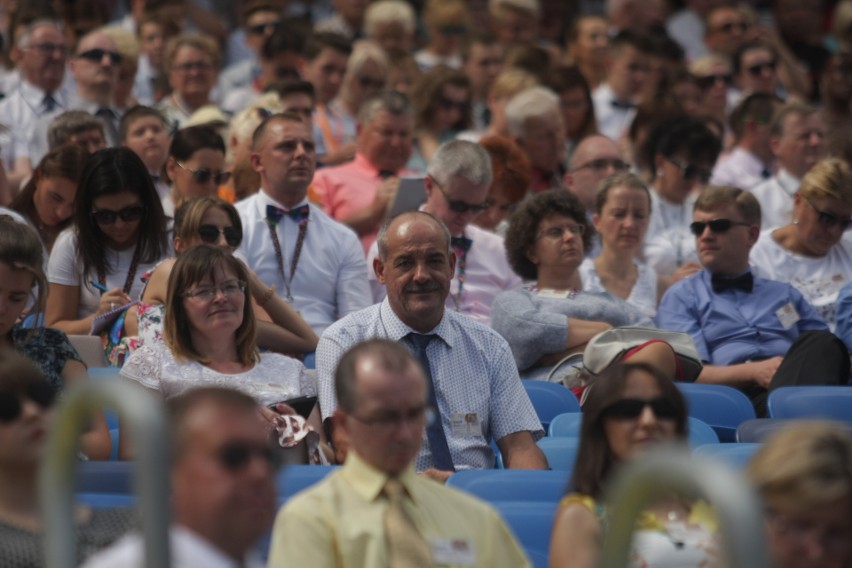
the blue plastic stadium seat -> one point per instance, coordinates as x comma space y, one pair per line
294, 478
735, 455
532, 523
566, 425
105, 477
106, 500
550, 400
723, 408
761, 429
827, 402
560, 452
511, 484
700, 433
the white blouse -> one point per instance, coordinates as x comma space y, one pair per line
643, 295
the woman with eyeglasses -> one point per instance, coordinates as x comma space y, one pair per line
26, 400
213, 221
630, 410
553, 317
192, 67
622, 210
195, 165
442, 109
23, 284
810, 252
210, 339
804, 476
118, 234
47, 200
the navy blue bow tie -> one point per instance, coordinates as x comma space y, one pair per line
744, 282
622, 105
298, 214
461, 242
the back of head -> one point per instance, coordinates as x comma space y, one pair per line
534, 102
460, 158
687, 137
385, 355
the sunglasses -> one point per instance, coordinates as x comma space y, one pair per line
128, 215
261, 29
691, 173
708, 81
98, 54
461, 207
449, 104
631, 408
758, 68
559, 232
210, 234
716, 226
50, 48
828, 221
40, 393
203, 175
235, 456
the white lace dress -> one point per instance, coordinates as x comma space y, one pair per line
275, 378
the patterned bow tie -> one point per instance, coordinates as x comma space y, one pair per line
298, 214
744, 282
462, 243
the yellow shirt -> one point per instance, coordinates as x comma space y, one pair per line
339, 523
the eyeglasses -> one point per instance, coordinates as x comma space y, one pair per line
370, 83
234, 456
691, 173
203, 175
128, 215
393, 420
829, 221
200, 66
447, 103
40, 393
49, 48
462, 207
210, 234
98, 54
716, 226
758, 68
728, 27
261, 29
559, 232
206, 293
707, 81
603, 164
631, 408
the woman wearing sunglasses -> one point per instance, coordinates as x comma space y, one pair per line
213, 221
118, 234
195, 165
630, 409
810, 252
26, 399
442, 109
47, 200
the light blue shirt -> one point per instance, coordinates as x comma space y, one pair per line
736, 326
844, 315
473, 372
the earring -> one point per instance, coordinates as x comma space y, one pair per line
795, 221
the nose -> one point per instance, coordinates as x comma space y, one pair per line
421, 273
647, 417
64, 211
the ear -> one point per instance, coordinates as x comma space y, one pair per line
16, 54
453, 259
568, 180
178, 245
596, 220
659, 160
429, 186
256, 163
339, 420
753, 235
171, 167
379, 269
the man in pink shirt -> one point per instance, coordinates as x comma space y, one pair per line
360, 192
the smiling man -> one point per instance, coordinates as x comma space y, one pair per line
476, 389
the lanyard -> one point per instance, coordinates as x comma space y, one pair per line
279, 256
131, 273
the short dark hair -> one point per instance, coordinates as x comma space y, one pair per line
291, 87
388, 356
737, 59
319, 41
757, 106
641, 40
135, 113
523, 226
187, 141
479, 37
285, 39
685, 136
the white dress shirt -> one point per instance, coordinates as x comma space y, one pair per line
486, 274
331, 276
612, 120
668, 242
739, 168
775, 196
25, 116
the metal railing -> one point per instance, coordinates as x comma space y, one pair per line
736, 505
142, 414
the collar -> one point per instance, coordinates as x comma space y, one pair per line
707, 276
396, 329
369, 482
202, 551
788, 182
33, 96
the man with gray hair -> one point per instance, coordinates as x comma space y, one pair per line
534, 121
359, 193
457, 182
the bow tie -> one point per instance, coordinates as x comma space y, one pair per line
622, 105
462, 243
744, 282
298, 214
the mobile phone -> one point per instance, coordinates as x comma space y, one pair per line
303, 405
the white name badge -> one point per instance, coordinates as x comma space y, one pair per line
787, 315
453, 551
466, 424
554, 294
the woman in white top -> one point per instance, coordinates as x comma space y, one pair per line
622, 209
118, 234
810, 253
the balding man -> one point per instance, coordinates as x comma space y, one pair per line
476, 389
360, 515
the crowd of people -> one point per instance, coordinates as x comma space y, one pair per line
376, 219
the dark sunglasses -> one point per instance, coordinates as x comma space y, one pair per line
631, 408
203, 175
260, 29
758, 68
40, 393
716, 226
461, 207
828, 221
691, 173
98, 54
128, 214
210, 234
708, 81
450, 104
235, 456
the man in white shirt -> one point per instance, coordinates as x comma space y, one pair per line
314, 262
223, 484
457, 183
40, 54
798, 142
95, 70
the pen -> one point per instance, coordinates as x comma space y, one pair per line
99, 286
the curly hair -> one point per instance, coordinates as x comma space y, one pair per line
524, 223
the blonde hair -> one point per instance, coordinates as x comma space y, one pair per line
199, 41
386, 12
125, 42
510, 82
702, 65
437, 12
831, 178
